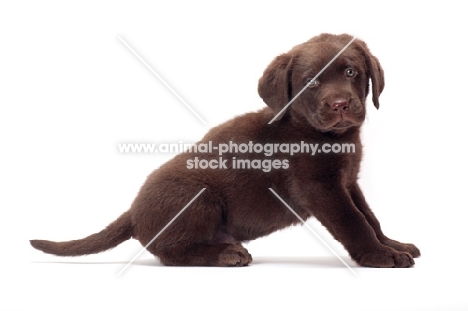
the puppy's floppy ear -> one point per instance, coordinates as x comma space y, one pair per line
274, 87
376, 73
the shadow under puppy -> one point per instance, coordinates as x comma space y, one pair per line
237, 205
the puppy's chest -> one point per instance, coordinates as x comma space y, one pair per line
325, 167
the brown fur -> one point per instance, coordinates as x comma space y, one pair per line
237, 205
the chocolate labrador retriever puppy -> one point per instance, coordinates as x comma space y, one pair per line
236, 204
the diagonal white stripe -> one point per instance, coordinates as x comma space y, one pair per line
313, 80
159, 233
313, 231
162, 80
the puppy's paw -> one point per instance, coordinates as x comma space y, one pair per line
387, 258
235, 255
403, 247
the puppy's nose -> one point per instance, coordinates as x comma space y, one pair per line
340, 106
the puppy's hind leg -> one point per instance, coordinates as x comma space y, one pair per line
196, 238
203, 254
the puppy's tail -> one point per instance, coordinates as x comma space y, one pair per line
114, 234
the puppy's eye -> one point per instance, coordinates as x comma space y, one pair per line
350, 72
312, 83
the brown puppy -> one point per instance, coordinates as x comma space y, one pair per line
237, 204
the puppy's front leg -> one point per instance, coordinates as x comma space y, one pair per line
360, 202
334, 208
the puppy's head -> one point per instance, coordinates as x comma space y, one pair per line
335, 101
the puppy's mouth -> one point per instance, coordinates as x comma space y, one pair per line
341, 122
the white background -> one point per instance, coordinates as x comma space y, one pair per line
70, 91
